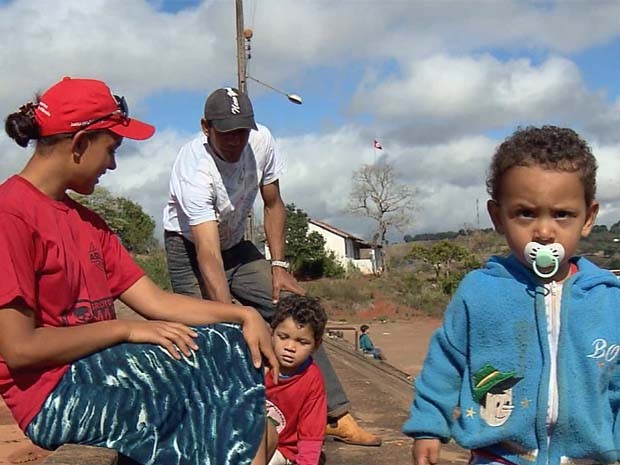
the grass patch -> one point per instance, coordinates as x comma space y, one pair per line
156, 267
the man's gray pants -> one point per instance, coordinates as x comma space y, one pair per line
249, 279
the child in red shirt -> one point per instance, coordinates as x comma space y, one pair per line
297, 404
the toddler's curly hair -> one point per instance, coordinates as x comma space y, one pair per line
303, 310
550, 147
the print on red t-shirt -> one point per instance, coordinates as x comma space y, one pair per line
61, 261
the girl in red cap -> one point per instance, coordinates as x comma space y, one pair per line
174, 388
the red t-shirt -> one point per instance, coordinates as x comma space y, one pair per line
63, 262
299, 405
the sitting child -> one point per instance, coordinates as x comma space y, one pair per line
297, 404
367, 346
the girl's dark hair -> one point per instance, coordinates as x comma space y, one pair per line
550, 147
303, 310
22, 126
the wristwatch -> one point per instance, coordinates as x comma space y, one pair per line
281, 264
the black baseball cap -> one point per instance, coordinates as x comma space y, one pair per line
228, 109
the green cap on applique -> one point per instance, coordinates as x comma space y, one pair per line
489, 377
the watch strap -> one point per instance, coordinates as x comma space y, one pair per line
280, 263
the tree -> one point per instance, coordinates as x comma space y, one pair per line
125, 217
376, 194
599, 229
306, 251
449, 260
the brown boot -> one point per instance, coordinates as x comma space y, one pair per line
348, 431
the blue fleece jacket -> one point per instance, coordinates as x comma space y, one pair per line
493, 345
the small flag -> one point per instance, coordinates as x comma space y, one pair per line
377, 145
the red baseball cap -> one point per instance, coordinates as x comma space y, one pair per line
72, 105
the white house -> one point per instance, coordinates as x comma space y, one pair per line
349, 249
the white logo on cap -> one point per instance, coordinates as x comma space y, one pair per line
43, 108
234, 103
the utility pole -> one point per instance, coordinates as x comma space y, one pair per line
241, 57
242, 86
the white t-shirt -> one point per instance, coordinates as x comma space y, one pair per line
203, 187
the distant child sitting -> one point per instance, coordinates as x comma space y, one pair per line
297, 404
524, 369
367, 346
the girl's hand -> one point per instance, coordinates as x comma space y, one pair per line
258, 337
176, 338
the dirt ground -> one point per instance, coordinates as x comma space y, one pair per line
403, 342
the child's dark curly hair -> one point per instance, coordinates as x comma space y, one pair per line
303, 310
550, 147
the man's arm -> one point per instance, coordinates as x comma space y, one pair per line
209, 256
274, 219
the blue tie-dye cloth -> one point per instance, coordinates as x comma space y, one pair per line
137, 399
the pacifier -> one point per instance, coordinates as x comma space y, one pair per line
545, 256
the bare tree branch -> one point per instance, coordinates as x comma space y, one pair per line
376, 194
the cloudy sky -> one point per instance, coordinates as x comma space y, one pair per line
439, 83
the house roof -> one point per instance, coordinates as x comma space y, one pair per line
339, 232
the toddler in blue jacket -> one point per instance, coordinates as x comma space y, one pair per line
524, 369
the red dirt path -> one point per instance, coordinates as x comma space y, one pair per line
14, 446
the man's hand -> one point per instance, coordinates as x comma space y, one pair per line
258, 337
283, 281
274, 219
425, 451
176, 338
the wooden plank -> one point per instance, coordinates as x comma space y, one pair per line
73, 454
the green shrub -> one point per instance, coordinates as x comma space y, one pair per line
347, 294
614, 264
155, 267
332, 267
125, 217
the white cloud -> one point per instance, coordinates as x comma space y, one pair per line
436, 86
608, 188
13, 156
139, 49
448, 177
132, 47
325, 30
452, 96
143, 171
